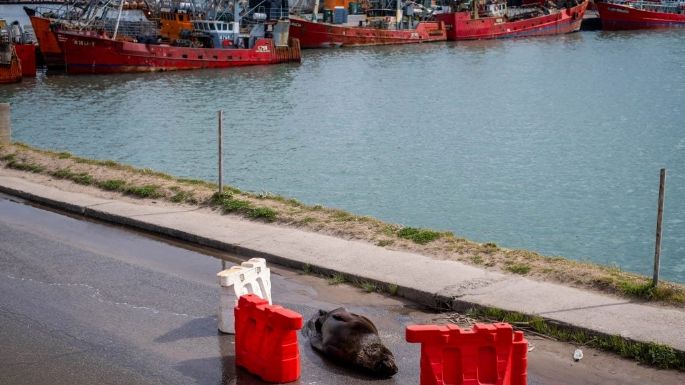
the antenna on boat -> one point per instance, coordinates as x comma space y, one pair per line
116, 26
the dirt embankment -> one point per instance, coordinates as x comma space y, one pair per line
113, 180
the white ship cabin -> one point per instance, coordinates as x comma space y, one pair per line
221, 33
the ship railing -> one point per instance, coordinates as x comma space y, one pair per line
654, 6
128, 27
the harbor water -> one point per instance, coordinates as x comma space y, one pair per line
549, 144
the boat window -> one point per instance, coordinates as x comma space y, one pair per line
200, 56
207, 27
230, 27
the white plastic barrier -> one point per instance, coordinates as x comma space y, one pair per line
251, 277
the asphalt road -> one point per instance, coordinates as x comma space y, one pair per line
87, 303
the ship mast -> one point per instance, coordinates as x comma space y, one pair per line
116, 26
316, 11
398, 14
475, 9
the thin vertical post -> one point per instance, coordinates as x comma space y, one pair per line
659, 220
221, 151
5, 124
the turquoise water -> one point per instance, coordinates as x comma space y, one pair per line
550, 144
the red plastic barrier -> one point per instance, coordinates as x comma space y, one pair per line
266, 339
485, 354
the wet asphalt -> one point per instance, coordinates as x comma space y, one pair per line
87, 303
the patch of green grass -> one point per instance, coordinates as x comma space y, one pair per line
219, 198
392, 289
518, 268
420, 236
342, 216
385, 242
368, 287
8, 157
149, 171
295, 202
646, 290
63, 173
231, 205
146, 191
658, 355
112, 184
638, 290
191, 181
64, 155
235, 205
307, 268
389, 230
81, 178
262, 213
182, 196
307, 220
25, 166
477, 259
489, 248
336, 279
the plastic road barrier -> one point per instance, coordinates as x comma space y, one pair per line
485, 354
251, 277
266, 339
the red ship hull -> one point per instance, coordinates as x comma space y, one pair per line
619, 17
87, 53
47, 42
325, 35
460, 26
27, 58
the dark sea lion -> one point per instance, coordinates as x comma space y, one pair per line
350, 339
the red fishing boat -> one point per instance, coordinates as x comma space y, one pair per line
324, 35
224, 46
47, 40
375, 26
91, 16
495, 20
616, 14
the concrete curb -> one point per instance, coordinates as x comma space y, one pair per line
435, 301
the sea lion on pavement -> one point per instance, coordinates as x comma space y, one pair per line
350, 339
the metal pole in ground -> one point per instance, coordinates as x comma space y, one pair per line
659, 219
221, 163
5, 126
221, 151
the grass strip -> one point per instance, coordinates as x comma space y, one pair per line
648, 353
